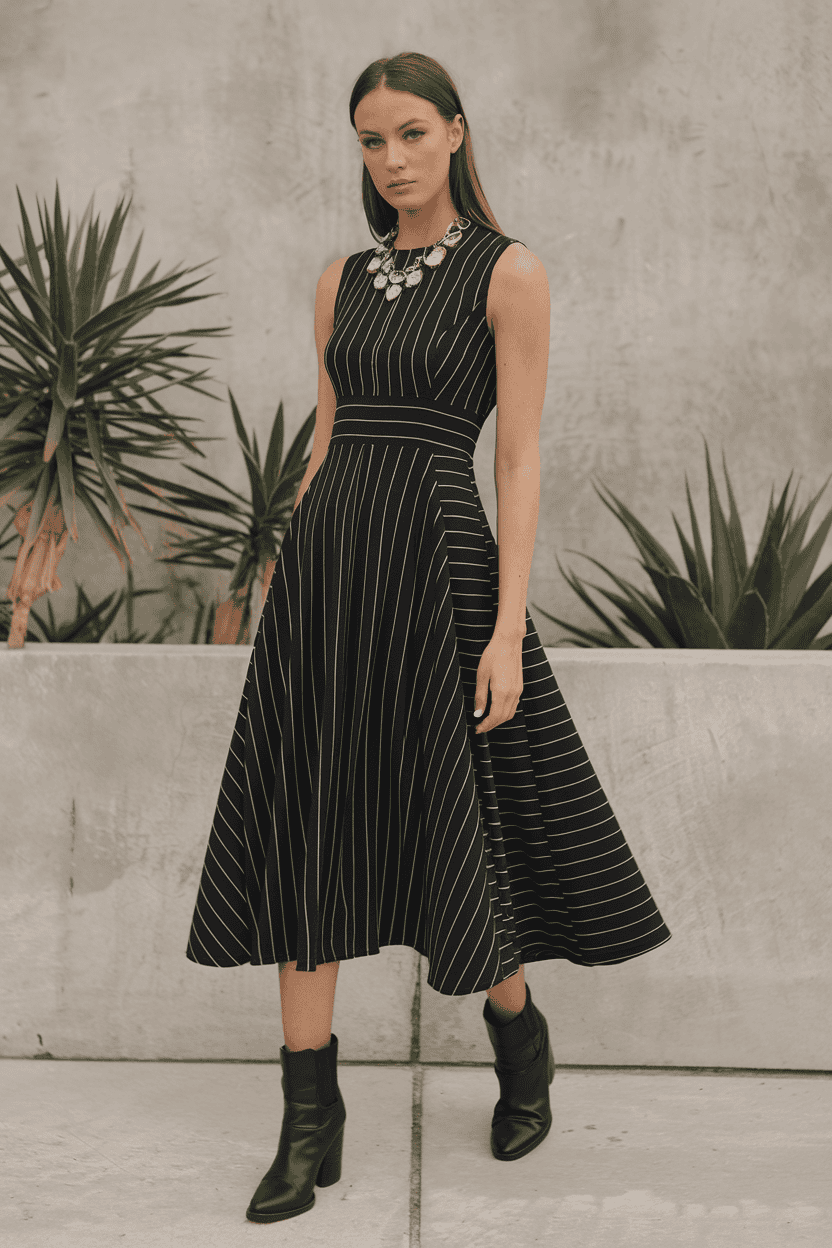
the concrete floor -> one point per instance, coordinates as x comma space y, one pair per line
151, 1153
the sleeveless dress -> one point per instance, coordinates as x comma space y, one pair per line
358, 807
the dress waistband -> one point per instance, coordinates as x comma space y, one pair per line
421, 421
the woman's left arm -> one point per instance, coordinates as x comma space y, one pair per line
520, 310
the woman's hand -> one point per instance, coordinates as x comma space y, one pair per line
501, 667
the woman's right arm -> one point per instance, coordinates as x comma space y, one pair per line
325, 414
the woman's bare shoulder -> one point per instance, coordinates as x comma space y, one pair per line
327, 293
518, 259
331, 275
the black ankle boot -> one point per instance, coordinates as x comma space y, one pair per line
525, 1067
311, 1138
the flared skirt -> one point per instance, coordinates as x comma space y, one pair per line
358, 806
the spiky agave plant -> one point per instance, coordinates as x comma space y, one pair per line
78, 390
768, 605
237, 525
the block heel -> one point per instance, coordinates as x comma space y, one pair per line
330, 1168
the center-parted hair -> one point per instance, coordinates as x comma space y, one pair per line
425, 77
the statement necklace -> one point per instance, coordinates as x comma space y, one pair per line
391, 278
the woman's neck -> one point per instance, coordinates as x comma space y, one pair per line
417, 230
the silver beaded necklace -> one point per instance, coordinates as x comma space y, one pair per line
390, 279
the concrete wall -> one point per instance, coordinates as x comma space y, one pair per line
716, 764
670, 163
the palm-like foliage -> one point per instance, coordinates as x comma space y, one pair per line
768, 605
78, 391
244, 527
91, 621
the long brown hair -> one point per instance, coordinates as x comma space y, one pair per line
425, 77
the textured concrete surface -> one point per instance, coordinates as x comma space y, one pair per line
716, 765
668, 162
146, 1154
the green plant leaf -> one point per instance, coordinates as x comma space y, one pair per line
725, 571
594, 638
40, 502
801, 564
17, 415
72, 259
66, 481
107, 479
63, 395
106, 253
662, 609
274, 452
85, 284
12, 482
16, 379
735, 533
698, 625
134, 306
768, 582
779, 521
33, 261
573, 582
295, 456
766, 542
639, 613
808, 600
251, 461
793, 539
28, 291
64, 315
748, 626
688, 552
238, 420
129, 269
807, 623
651, 550
106, 530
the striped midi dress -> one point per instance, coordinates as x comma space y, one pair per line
358, 807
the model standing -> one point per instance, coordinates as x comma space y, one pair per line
403, 769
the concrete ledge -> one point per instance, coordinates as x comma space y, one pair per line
717, 766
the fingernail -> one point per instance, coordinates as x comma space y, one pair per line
477, 713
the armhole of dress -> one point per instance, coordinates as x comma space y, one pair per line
346, 273
508, 242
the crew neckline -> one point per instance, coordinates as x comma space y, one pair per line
420, 247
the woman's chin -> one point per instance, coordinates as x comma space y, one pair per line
404, 196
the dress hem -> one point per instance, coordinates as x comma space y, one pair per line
527, 959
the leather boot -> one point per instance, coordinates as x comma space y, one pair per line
524, 1067
311, 1137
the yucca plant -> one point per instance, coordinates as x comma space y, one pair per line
768, 605
91, 621
246, 527
78, 391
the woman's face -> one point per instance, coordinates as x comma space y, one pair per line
403, 138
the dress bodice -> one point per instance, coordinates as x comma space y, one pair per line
432, 342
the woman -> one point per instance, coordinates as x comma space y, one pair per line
403, 768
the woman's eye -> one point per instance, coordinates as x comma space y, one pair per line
368, 142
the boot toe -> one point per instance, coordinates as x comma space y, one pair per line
275, 1202
515, 1137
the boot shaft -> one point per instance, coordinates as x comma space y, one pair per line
309, 1081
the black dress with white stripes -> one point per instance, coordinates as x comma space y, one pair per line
358, 807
